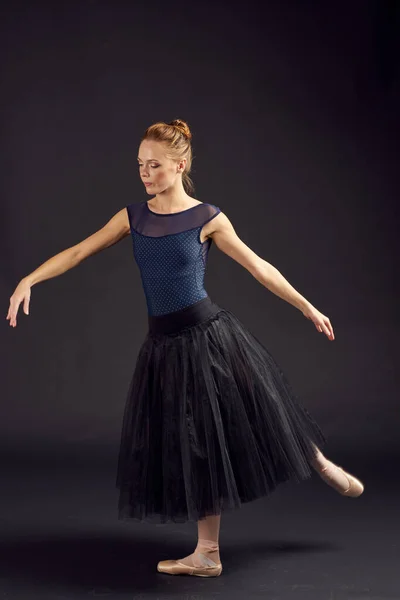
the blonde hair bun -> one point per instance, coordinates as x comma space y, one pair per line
182, 126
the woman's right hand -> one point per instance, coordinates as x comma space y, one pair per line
21, 293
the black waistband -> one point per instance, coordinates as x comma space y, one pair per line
185, 317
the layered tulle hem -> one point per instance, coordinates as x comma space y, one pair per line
210, 423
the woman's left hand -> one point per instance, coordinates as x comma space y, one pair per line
321, 322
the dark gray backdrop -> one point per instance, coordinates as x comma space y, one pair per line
293, 108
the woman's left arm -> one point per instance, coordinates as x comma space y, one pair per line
225, 237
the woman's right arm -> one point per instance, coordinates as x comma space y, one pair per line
116, 229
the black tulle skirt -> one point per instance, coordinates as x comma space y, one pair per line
210, 420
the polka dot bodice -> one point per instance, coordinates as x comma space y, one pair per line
170, 256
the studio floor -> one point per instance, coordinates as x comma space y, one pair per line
61, 539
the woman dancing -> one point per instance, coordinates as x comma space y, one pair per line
210, 420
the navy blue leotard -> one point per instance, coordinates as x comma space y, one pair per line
171, 259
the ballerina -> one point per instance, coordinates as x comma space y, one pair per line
210, 419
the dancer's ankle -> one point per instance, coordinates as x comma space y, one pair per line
206, 554
210, 548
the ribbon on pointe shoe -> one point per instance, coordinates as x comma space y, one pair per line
200, 558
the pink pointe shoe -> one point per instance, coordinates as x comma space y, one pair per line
355, 487
202, 565
174, 567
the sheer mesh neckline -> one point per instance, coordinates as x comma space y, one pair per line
174, 213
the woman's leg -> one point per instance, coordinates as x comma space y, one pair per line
207, 549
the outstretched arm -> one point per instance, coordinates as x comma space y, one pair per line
224, 235
116, 229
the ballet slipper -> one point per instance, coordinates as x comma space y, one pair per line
203, 565
354, 486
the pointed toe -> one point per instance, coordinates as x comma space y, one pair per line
166, 566
356, 487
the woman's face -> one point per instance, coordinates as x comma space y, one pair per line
156, 170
